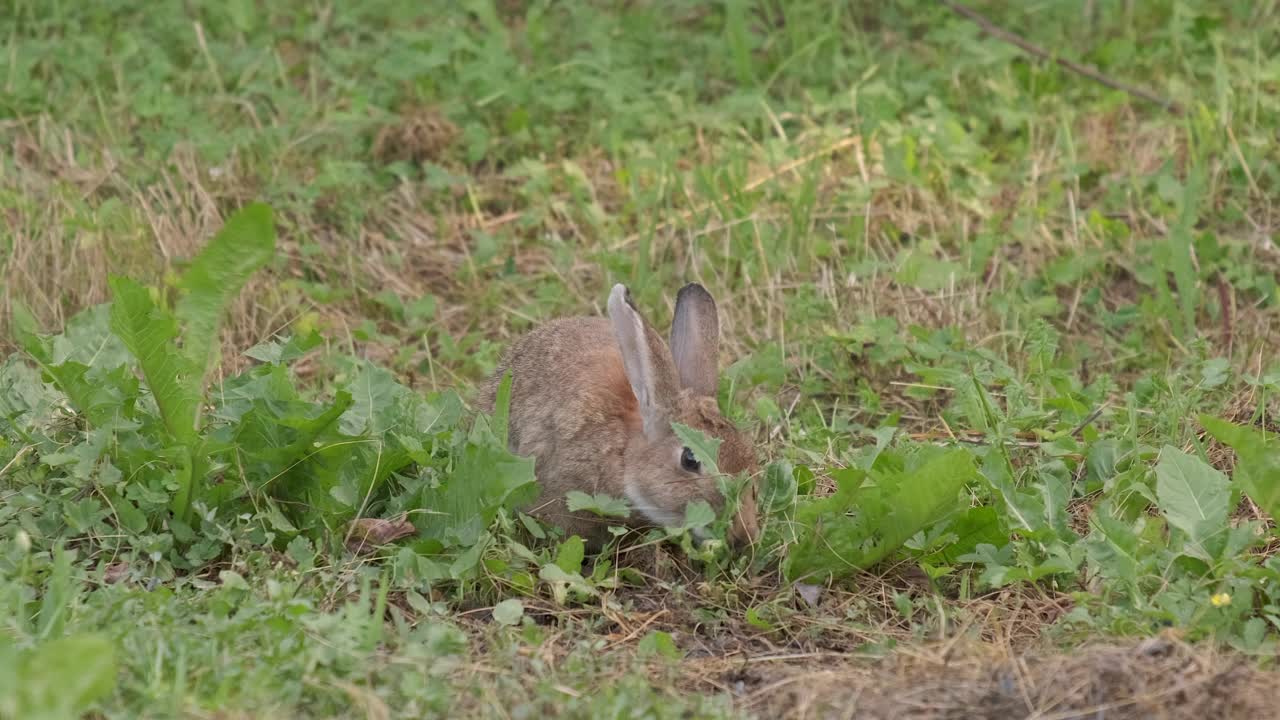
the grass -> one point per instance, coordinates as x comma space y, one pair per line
919, 235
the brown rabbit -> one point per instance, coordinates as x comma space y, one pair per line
593, 399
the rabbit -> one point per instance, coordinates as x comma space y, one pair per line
592, 400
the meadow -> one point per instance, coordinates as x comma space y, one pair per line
999, 303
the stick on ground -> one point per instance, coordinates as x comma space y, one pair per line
1075, 67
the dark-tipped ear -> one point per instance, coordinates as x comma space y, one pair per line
695, 340
644, 370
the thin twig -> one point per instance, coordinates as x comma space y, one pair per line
1075, 67
970, 438
637, 630
1224, 299
16, 457
1097, 412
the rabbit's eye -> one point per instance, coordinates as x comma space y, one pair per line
689, 462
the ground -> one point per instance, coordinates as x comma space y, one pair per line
921, 236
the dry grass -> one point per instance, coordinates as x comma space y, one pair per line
420, 134
1154, 678
852, 658
404, 248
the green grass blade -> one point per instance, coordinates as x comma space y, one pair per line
1181, 250
502, 410
59, 595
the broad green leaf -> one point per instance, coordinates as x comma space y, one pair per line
1115, 549
26, 400
998, 563
377, 433
244, 244
465, 564
437, 413
86, 362
1193, 497
959, 534
150, 333
302, 552
484, 479
1055, 494
869, 455
347, 474
599, 504
87, 339
533, 526
508, 612
233, 580
237, 395
570, 554
562, 582
698, 514
755, 619
779, 488
805, 481
659, 643
874, 514
1258, 461
291, 349
274, 437
80, 459
125, 512
380, 403
1024, 511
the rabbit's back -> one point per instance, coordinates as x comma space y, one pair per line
558, 360
571, 408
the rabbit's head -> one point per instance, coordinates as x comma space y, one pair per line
660, 475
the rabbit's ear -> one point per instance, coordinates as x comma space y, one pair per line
645, 371
695, 340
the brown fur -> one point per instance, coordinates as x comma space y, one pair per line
618, 391
574, 410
